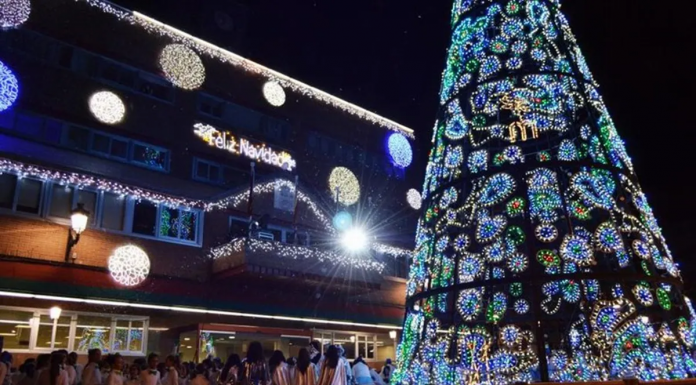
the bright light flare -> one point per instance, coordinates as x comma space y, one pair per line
355, 240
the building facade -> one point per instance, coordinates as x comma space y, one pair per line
217, 192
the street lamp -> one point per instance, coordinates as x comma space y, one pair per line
54, 314
78, 224
392, 334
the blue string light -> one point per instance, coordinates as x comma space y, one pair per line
9, 87
400, 150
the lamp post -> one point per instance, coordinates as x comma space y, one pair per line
54, 314
78, 224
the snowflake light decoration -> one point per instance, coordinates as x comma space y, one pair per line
274, 93
14, 13
344, 186
182, 66
413, 197
546, 233
521, 306
107, 107
129, 265
576, 249
400, 150
9, 87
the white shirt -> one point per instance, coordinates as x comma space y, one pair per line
91, 375
376, 378
200, 380
115, 378
45, 377
361, 370
72, 374
146, 378
171, 377
4, 372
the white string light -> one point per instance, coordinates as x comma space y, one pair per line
129, 265
413, 197
107, 107
182, 66
274, 93
9, 87
344, 186
202, 46
14, 13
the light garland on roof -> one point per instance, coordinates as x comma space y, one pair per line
14, 13
107, 107
295, 252
182, 66
206, 48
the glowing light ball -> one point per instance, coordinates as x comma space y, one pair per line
354, 240
274, 93
9, 87
342, 220
129, 265
344, 186
107, 107
182, 66
413, 197
400, 150
14, 13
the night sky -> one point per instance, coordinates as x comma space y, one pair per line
387, 56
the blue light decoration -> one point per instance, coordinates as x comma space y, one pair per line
527, 173
399, 150
9, 87
342, 221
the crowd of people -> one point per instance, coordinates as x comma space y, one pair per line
310, 367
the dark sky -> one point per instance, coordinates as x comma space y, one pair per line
387, 56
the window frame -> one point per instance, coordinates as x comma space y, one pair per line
194, 171
16, 193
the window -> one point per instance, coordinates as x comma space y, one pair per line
76, 138
210, 105
15, 328
178, 223
43, 339
64, 200
128, 336
92, 333
110, 146
113, 212
207, 171
20, 194
144, 218
366, 346
238, 227
151, 156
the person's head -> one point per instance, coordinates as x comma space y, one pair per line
316, 345
42, 361
332, 356
255, 352
57, 361
276, 359
134, 371
358, 360
29, 369
388, 362
232, 361
152, 360
291, 361
117, 362
72, 358
171, 361
201, 370
94, 355
207, 363
303, 360
183, 370
6, 357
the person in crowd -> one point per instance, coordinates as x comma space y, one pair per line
198, 377
55, 374
5, 366
333, 372
255, 370
387, 370
345, 363
361, 372
292, 368
42, 363
105, 366
230, 372
183, 371
171, 376
72, 360
376, 377
70, 368
133, 375
115, 376
150, 376
305, 373
29, 373
279, 369
315, 354
91, 374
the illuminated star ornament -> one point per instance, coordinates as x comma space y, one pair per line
344, 186
274, 93
182, 66
400, 150
9, 87
107, 107
14, 13
129, 265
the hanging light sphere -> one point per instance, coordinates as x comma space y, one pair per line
400, 150
182, 66
274, 93
9, 87
342, 220
344, 186
129, 265
14, 13
413, 197
107, 107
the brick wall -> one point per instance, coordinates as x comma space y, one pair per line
40, 239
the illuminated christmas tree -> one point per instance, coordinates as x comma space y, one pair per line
537, 255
